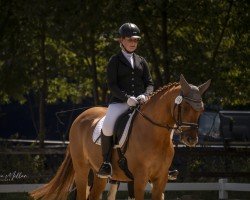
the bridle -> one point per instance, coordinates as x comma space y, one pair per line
178, 120
179, 124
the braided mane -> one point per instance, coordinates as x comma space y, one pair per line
162, 89
165, 87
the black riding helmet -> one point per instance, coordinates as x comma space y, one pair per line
129, 30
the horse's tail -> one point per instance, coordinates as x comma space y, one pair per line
60, 185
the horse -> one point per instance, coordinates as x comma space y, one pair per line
149, 151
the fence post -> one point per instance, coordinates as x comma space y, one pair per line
222, 192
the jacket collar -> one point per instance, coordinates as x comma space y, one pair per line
126, 62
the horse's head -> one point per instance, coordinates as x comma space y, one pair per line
187, 109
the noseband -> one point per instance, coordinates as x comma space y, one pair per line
178, 120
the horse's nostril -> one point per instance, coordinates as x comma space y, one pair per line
191, 140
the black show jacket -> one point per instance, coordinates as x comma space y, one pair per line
125, 81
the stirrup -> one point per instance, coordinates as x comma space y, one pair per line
172, 176
105, 170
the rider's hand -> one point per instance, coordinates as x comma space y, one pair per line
142, 98
132, 101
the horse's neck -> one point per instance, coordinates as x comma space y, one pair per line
160, 108
148, 134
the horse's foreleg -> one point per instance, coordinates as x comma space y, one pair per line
98, 187
140, 183
158, 189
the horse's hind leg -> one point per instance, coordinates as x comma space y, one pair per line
113, 190
90, 182
81, 183
98, 187
131, 192
81, 176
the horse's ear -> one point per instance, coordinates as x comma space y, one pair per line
204, 87
185, 87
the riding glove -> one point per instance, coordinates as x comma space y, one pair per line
142, 98
132, 101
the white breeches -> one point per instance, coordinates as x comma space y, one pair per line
113, 112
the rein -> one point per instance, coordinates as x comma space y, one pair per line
152, 122
179, 123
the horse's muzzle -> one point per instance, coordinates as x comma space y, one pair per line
188, 140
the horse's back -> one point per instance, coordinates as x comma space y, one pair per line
90, 115
86, 121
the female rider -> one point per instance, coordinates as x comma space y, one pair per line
129, 81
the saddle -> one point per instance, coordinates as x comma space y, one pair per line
120, 126
124, 121
122, 131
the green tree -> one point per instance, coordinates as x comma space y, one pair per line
53, 51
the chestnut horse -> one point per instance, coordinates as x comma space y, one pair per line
150, 150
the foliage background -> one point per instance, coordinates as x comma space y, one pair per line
57, 51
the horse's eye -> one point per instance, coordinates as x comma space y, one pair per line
186, 109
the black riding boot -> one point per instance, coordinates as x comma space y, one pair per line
105, 170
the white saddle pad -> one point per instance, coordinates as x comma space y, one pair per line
97, 132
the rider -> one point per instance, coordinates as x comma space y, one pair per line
129, 81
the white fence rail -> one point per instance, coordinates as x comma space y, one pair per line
222, 186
